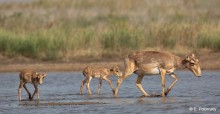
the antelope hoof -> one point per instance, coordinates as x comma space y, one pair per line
145, 96
152, 95
156, 95
142, 96
166, 94
114, 93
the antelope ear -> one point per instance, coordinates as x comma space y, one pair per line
45, 74
193, 55
117, 67
35, 75
187, 58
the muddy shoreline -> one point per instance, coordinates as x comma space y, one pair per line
209, 60
206, 65
53, 66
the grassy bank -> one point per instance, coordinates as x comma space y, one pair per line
70, 29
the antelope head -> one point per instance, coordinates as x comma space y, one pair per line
40, 77
116, 71
192, 63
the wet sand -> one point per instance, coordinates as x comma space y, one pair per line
53, 66
206, 64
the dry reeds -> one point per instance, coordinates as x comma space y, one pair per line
51, 30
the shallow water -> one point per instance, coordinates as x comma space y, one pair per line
60, 94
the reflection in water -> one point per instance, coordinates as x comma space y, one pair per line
29, 103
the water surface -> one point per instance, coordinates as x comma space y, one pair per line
62, 90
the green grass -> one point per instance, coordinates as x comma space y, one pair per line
210, 41
55, 30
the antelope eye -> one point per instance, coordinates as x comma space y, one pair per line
191, 64
116, 71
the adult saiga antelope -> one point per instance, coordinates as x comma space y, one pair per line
98, 72
152, 63
29, 76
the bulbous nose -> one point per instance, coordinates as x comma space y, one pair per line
199, 72
40, 82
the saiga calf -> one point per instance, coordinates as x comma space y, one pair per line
29, 76
98, 72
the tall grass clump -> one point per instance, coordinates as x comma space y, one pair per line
209, 41
171, 35
121, 38
31, 46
